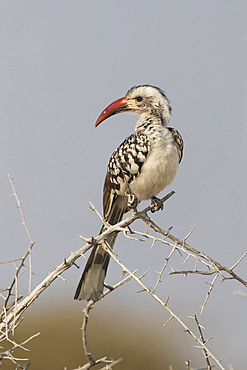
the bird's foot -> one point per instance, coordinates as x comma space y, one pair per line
157, 204
132, 201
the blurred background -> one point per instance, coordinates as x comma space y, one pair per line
61, 64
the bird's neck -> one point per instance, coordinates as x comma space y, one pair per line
148, 121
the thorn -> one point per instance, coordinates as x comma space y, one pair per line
170, 318
62, 278
144, 274
91, 240
76, 264
123, 273
141, 291
166, 301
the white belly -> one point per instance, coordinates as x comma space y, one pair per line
159, 169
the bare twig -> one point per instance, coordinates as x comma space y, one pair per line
27, 254
209, 291
238, 261
164, 304
20, 209
91, 361
203, 341
218, 266
163, 268
89, 306
7, 355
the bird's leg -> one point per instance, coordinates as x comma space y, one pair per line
157, 204
132, 201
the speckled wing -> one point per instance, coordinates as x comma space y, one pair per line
178, 141
124, 165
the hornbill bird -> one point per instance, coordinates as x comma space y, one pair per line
143, 165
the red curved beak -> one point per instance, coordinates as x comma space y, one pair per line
118, 106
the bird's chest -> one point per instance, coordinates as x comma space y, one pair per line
158, 170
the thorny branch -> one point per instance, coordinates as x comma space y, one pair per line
23, 259
204, 342
11, 314
211, 285
32, 242
216, 266
164, 304
91, 361
182, 246
8, 354
6, 323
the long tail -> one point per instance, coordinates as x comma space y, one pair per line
92, 281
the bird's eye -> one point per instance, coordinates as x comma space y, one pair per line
139, 99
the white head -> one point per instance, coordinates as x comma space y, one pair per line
150, 100
145, 100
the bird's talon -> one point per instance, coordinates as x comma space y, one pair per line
157, 204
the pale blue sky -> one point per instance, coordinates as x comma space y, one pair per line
61, 63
